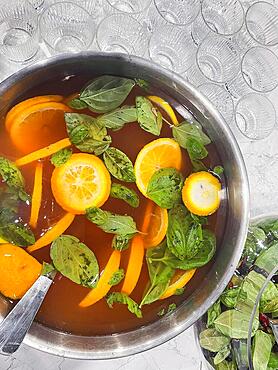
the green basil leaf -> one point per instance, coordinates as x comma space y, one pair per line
229, 297
270, 228
122, 192
110, 222
9, 198
165, 187
179, 291
10, 174
262, 348
119, 165
61, 157
47, 268
171, 308
184, 235
268, 259
185, 131
149, 118
235, 324
269, 300
116, 119
254, 245
196, 150
117, 277
226, 365
86, 133
161, 312
14, 230
106, 93
273, 361
123, 298
222, 355
159, 274
142, 83
75, 260
77, 104
121, 242
218, 170
213, 312
212, 340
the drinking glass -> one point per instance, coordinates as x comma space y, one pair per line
67, 27
259, 68
224, 17
220, 98
195, 76
238, 87
243, 40
199, 30
262, 23
178, 12
151, 19
122, 33
130, 6
255, 116
37, 4
218, 58
173, 48
19, 34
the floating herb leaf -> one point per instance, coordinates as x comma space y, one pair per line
171, 308
123, 298
61, 157
142, 83
110, 222
76, 103
119, 165
218, 170
213, 340
86, 133
122, 192
13, 230
179, 291
106, 93
165, 187
213, 312
10, 174
161, 312
117, 277
47, 268
116, 119
75, 260
149, 118
121, 242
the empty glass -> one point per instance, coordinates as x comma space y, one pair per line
199, 30
178, 12
67, 27
255, 116
218, 58
195, 76
243, 40
173, 48
129, 6
259, 68
151, 19
224, 17
238, 87
262, 23
19, 34
37, 4
122, 33
220, 98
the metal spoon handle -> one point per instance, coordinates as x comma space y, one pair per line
17, 323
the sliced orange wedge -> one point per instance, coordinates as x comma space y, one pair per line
38, 126
201, 193
160, 153
18, 108
165, 106
179, 280
82, 182
103, 285
155, 224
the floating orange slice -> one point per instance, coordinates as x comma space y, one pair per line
82, 182
201, 193
38, 126
36, 196
18, 108
157, 154
155, 224
165, 106
179, 280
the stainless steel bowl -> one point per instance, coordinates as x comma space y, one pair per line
187, 98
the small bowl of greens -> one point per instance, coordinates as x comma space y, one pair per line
239, 332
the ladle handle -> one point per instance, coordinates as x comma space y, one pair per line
17, 323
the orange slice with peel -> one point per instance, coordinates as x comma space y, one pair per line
160, 153
18, 108
103, 285
135, 264
82, 182
179, 280
165, 106
201, 193
38, 126
155, 224
36, 196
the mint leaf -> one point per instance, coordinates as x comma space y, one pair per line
123, 298
117, 277
61, 157
119, 165
122, 192
149, 118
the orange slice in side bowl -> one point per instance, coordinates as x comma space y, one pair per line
82, 182
38, 126
160, 153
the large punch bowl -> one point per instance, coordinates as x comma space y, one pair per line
186, 99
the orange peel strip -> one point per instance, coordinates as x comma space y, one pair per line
36, 196
178, 284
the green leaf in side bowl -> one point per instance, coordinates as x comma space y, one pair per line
149, 118
213, 340
106, 93
262, 348
116, 119
119, 165
213, 312
75, 260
